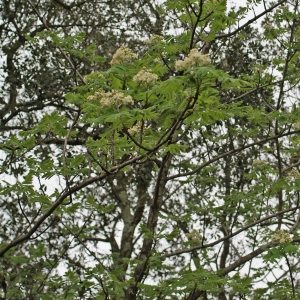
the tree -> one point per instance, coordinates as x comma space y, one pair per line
168, 171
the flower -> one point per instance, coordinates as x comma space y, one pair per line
92, 77
153, 39
181, 65
281, 237
145, 77
194, 59
258, 162
135, 129
110, 98
123, 56
294, 174
194, 236
296, 126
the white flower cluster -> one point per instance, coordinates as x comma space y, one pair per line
296, 126
258, 162
123, 56
145, 77
194, 59
194, 236
281, 237
153, 39
92, 77
110, 98
135, 129
294, 174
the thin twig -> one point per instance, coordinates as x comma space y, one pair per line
43, 20
291, 275
64, 154
230, 235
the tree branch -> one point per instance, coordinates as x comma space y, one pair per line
230, 235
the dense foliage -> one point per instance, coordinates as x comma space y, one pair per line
150, 151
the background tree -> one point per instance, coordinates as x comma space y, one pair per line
164, 172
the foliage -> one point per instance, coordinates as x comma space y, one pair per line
166, 168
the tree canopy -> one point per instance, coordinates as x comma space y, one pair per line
149, 150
